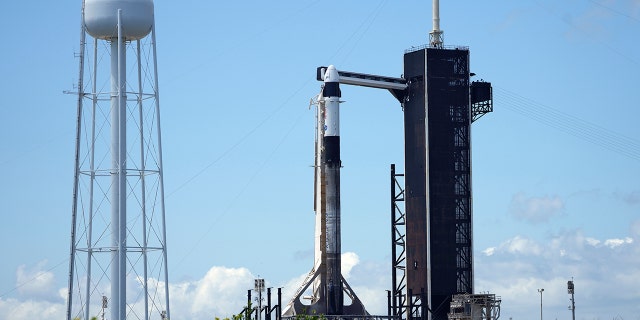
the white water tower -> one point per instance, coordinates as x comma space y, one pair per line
118, 237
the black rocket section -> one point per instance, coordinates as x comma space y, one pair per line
331, 89
332, 151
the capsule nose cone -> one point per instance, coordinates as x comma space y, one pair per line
331, 75
331, 86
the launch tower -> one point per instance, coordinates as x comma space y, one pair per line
437, 119
435, 257
118, 248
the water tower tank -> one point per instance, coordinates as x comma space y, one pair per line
101, 18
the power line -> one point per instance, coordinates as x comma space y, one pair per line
38, 275
366, 25
615, 11
572, 125
587, 34
242, 190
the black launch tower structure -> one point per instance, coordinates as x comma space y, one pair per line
440, 103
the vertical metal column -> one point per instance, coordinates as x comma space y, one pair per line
118, 174
398, 257
460, 113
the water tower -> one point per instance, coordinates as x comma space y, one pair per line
118, 248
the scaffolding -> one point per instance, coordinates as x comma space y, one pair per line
485, 306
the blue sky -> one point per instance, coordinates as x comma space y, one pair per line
555, 166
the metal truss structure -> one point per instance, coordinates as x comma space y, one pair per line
484, 306
398, 253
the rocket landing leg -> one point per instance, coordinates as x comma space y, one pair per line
317, 303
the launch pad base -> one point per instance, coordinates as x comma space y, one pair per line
318, 301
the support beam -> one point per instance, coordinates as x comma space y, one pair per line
396, 86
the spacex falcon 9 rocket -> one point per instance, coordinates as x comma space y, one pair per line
325, 279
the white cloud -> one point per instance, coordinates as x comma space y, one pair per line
519, 245
15, 309
535, 209
35, 282
369, 281
605, 274
613, 243
592, 242
516, 245
349, 260
221, 292
489, 251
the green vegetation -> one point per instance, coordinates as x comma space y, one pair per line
310, 316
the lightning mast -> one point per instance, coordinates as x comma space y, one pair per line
436, 39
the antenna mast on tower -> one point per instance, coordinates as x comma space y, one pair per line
435, 36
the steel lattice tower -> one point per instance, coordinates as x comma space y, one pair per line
118, 254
